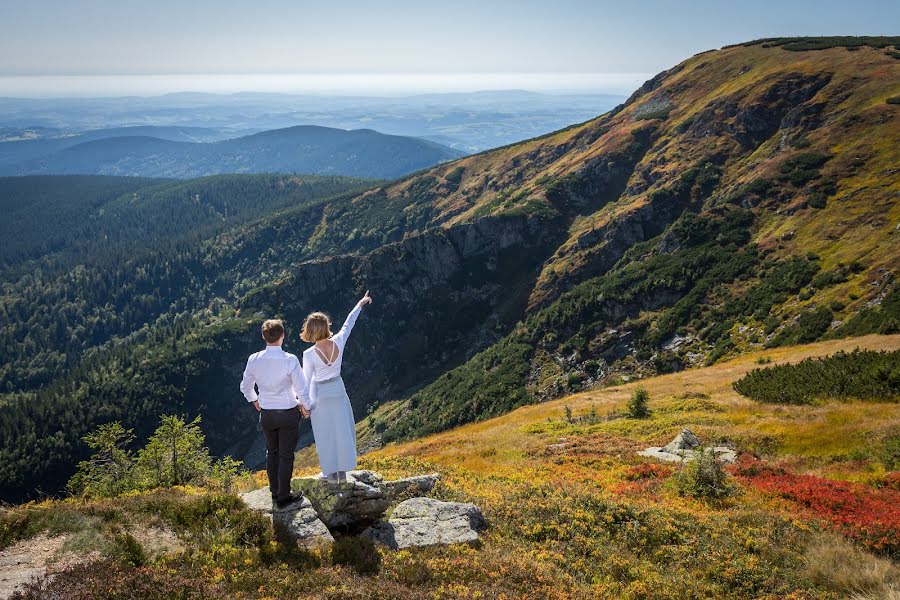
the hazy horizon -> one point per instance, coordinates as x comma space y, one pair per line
319, 84
97, 48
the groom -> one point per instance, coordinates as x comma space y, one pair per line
281, 383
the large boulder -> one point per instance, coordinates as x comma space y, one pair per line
684, 448
418, 485
427, 522
301, 524
359, 500
683, 441
298, 522
360, 504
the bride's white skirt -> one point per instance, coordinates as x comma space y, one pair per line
333, 426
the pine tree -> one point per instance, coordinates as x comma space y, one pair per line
175, 454
108, 472
638, 404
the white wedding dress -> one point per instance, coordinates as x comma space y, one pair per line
331, 414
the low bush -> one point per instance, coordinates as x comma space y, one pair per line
356, 552
702, 477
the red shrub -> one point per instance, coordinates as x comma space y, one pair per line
890, 480
870, 516
648, 471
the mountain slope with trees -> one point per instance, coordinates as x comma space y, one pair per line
746, 198
301, 149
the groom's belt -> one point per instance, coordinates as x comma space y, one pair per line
276, 410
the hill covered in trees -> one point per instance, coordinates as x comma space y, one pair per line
169, 152
743, 199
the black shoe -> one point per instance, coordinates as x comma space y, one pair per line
294, 497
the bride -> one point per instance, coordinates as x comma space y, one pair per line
332, 416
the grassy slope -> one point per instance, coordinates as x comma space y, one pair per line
809, 437
588, 519
858, 125
564, 508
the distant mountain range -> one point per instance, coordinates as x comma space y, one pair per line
467, 121
186, 152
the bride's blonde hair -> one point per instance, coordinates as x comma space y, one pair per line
316, 327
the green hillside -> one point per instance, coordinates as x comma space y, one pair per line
308, 149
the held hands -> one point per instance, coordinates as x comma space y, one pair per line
256, 405
365, 300
304, 412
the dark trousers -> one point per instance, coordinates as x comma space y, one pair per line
282, 430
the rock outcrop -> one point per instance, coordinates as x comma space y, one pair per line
360, 504
360, 499
299, 521
429, 522
683, 448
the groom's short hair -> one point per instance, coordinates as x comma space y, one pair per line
272, 330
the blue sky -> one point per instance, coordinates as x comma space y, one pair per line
341, 37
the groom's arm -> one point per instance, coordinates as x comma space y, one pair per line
248, 385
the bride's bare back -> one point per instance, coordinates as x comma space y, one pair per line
328, 351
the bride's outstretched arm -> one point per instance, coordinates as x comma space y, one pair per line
340, 338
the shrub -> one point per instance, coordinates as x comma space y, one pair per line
637, 407
128, 550
883, 319
869, 516
111, 580
861, 374
175, 454
810, 326
802, 168
702, 477
357, 552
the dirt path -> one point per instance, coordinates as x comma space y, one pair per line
26, 560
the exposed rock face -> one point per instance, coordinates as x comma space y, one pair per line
683, 441
684, 447
360, 499
361, 502
428, 522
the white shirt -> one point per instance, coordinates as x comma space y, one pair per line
279, 378
314, 366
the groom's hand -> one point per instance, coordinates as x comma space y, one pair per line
256, 404
304, 412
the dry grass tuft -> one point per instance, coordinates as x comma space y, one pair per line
835, 563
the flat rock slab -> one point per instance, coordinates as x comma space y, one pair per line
428, 522
298, 521
722, 453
